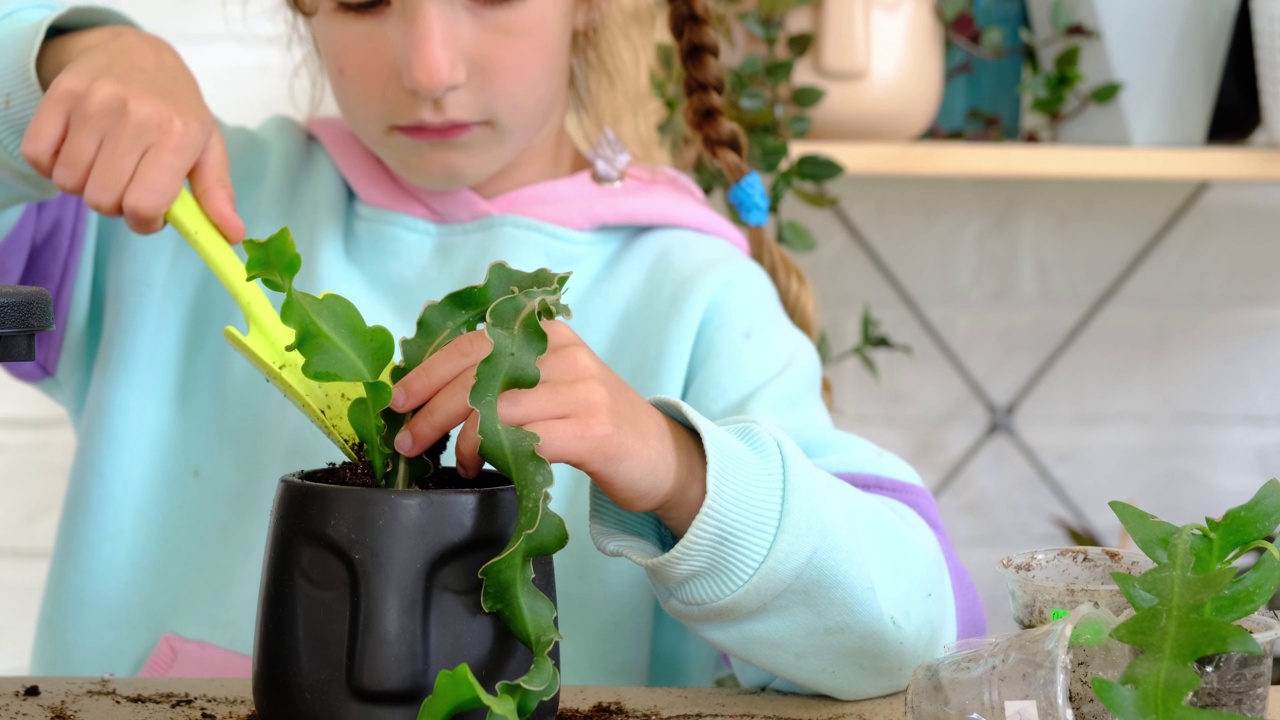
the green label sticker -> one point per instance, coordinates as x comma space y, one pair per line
1057, 614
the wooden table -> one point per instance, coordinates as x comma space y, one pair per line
137, 699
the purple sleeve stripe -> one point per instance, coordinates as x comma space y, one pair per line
43, 250
971, 621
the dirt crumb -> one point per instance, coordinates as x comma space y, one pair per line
31, 691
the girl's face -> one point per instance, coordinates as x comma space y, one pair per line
455, 93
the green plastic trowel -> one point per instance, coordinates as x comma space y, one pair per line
264, 345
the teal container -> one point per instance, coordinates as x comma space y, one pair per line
991, 87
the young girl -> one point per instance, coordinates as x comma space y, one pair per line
681, 404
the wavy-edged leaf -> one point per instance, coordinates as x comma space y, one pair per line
1183, 639
514, 325
1249, 522
457, 691
1137, 597
275, 261
464, 310
1248, 592
1152, 535
365, 415
334, 339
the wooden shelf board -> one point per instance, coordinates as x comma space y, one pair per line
1014, 160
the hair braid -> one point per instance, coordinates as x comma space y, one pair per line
725, 142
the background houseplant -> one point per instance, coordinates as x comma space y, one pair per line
760, 96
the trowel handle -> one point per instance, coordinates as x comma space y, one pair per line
190, 221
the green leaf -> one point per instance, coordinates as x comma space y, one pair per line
799, 125
1249, 591
779, 71
753, 99
796, 236
815, 199
767, 151
464, 310
1104, 94
817, 168
275, 261
799, 44
754, 24
513, 324
365, 415
1252, 521
1138, 598
1068, 60
457, 691
334, 339
1151, 534
1123, 702
1168, 583
779, 188
807, 96
1060, 16
752, 65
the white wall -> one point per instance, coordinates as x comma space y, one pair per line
1170, 401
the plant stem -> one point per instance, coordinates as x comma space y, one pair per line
401, 464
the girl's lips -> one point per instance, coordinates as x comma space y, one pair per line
443, 131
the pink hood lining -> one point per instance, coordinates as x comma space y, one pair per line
648, 196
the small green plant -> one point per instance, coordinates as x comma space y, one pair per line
1188, 604
1058, 91
761, 97
338, 346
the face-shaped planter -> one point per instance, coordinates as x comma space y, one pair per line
368, 593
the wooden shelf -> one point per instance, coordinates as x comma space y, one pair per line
1014, 160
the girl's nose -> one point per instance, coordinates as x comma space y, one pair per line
431, 49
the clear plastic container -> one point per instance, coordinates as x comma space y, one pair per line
1047, 583
1041, 674
1239, 683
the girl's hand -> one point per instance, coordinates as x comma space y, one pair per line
123, 123
583, 413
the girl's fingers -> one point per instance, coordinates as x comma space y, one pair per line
467, 449
211, 185
546, 401
114, 169
46, 133
422, 383
446, 411
77, 154
155, 186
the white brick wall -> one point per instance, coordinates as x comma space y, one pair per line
1170, 401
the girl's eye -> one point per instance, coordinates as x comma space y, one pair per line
362, 7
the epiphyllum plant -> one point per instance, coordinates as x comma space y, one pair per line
338, 346
1188, 604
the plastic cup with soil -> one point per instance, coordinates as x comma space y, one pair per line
1042, 673
1239, 683
1045, 584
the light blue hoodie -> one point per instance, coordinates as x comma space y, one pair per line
817, 564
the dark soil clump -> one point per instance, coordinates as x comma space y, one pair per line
31, 691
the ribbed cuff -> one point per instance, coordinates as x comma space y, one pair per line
732, 533
22, 31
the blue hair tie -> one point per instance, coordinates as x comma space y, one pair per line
750, 199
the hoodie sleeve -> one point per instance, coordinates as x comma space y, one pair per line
818, 561
42, 233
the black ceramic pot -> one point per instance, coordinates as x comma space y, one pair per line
368, 593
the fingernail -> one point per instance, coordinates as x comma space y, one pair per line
404, 442
397, 398
466, 473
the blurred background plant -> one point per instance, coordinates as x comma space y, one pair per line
759, 95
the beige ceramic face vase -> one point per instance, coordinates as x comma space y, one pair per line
881, 63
